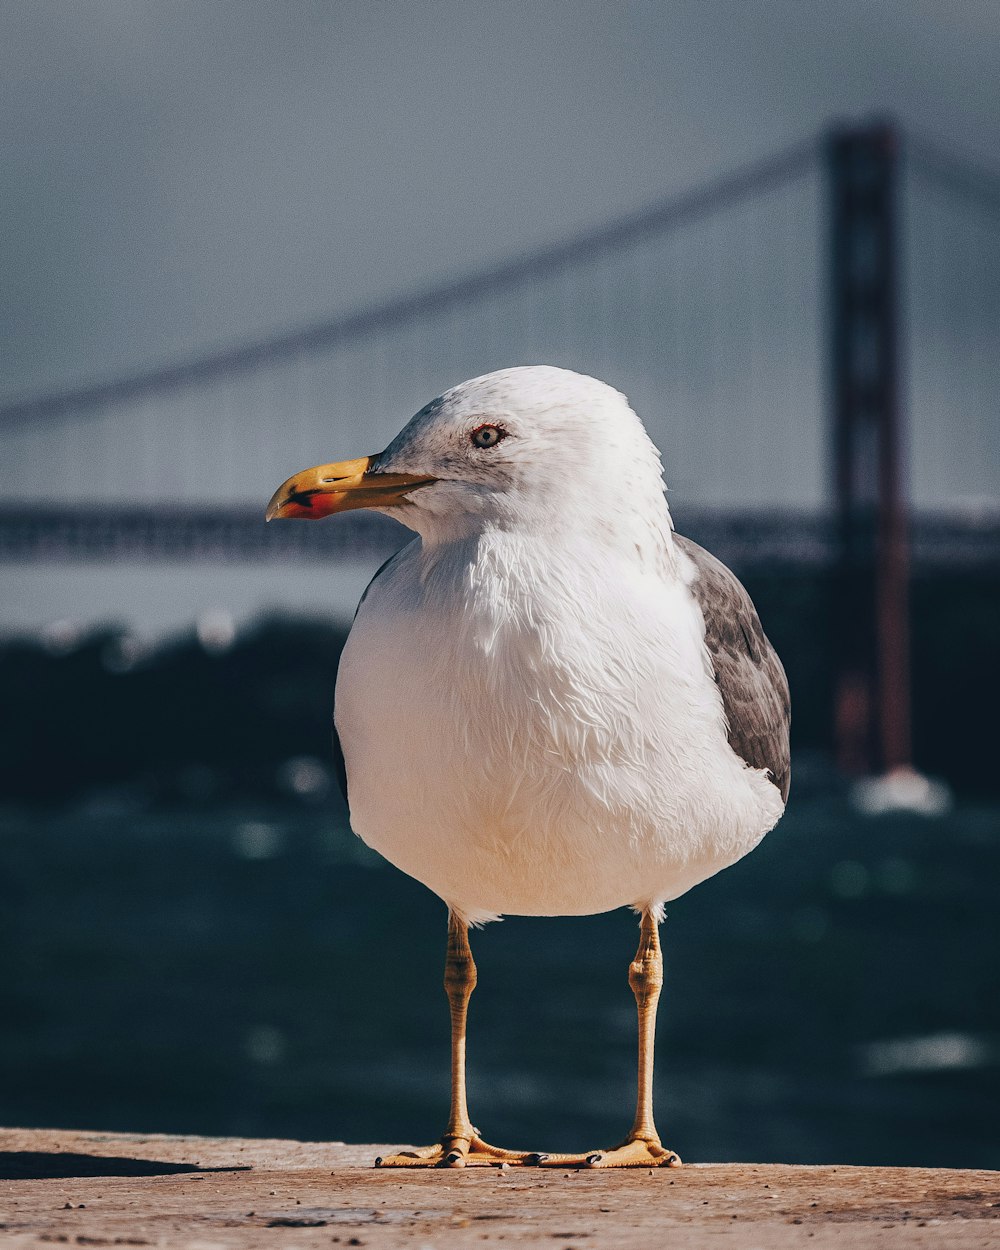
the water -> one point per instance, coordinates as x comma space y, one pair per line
833, 998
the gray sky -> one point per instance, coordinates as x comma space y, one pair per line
181, 173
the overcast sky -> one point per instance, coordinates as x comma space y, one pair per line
181, 173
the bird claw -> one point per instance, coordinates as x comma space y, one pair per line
461, 1152
638, 1153
458, 1152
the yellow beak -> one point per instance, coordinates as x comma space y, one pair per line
328, 488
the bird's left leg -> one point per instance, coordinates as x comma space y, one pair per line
642, 1147
461, 1146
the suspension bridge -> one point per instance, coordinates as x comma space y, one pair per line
810, 341
718, 312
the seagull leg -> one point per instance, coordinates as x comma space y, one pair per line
461, 1146
642, 1147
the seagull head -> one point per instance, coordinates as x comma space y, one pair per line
531, 446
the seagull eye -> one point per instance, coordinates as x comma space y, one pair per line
484, 436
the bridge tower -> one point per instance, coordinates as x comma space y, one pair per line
872, 695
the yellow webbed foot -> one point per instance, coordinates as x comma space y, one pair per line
638, 1152
458, 1152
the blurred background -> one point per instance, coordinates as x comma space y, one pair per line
242, 238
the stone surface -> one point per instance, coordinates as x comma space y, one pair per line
200, 1193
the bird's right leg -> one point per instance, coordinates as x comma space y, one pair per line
642, 1147
461, 1145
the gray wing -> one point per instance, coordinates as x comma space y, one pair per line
749, 674
339, 763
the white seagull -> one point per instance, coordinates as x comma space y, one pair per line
549, 703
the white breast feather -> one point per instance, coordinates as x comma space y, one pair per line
529, 733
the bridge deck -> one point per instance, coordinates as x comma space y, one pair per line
205, 534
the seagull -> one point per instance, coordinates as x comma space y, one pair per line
549, 703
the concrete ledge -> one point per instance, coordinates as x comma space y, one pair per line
206, 1193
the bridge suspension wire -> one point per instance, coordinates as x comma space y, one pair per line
663, 304
708, 309
967, 178
952, 300
704, 201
